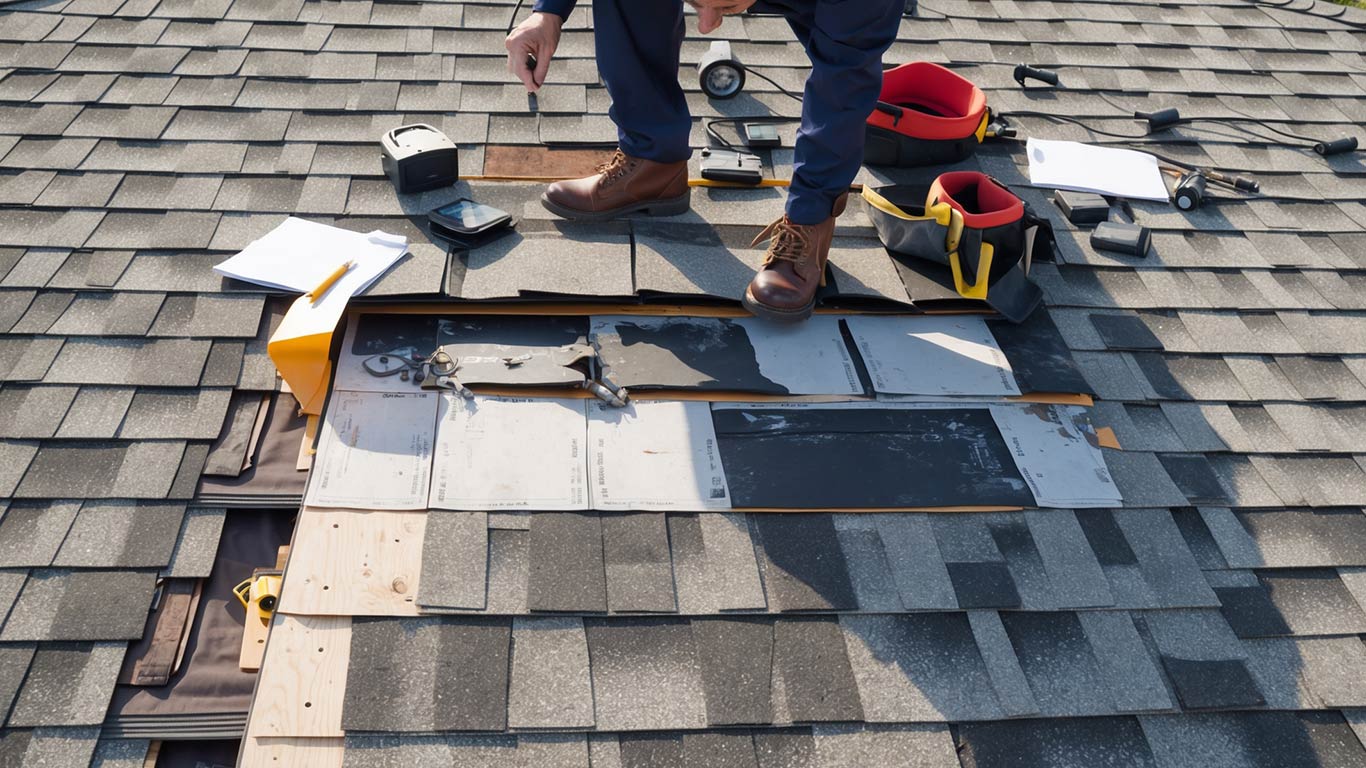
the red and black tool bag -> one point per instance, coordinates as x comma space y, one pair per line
973, 225
925, 115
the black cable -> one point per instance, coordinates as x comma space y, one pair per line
772, 82
516, 9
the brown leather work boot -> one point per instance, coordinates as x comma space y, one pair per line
622, 185
794, 267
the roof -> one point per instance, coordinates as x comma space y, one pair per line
1216, 619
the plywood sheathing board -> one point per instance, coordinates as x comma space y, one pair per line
294, 753
303, 678
347, 562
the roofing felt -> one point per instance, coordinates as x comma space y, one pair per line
1215, 620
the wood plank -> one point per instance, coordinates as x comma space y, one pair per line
295, 753
302, 683
347, 562
254, 631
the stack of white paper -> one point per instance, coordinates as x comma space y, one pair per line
299, 255
1088, 168
1064, 469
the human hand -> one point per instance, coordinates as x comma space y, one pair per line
537, 38
710, 13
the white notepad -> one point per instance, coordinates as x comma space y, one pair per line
299, 254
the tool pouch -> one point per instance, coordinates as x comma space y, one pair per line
972, 224
925, 115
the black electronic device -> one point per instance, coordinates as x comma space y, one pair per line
418, 157
762, 135
733, 166
1082, 208
1128, 239
1189, 193
466, 223
719, 71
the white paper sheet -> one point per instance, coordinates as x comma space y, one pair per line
374, 451
1089, 168
299, 254
953, 355
507, 453
1062, 466
658, 455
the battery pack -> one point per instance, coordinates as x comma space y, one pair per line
729, 165
1082, 208
1128, 239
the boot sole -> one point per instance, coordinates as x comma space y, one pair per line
663, 207
765, 312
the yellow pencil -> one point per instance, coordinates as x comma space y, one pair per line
327, 282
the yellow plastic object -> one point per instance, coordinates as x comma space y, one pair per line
259, 595
977, 290
300, 349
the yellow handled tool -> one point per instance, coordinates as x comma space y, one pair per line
260, 594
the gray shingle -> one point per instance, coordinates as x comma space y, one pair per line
16, 455
68, 684
413, 669
549, 685
738, 669
96, 412
843, 746
919, 570
455, 561
176, 413
919, 667
31, 533
645, 674
714, 563
80, 605
638, 569
165, 362
108, 314
817, 679
33, 412
1058, 660
121, 535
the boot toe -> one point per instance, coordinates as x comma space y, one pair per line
773, 290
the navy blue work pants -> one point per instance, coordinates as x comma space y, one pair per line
638, 43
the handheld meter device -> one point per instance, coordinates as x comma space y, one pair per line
465, 222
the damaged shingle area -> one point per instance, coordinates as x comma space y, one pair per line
1216, 619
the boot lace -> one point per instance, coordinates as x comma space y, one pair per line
615, 168
789, 242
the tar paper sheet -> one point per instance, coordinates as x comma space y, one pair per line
375, 451
953, 355
807, 358
1057, 452
508, 453
656, 455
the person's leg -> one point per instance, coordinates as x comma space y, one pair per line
845, 40
637, 44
